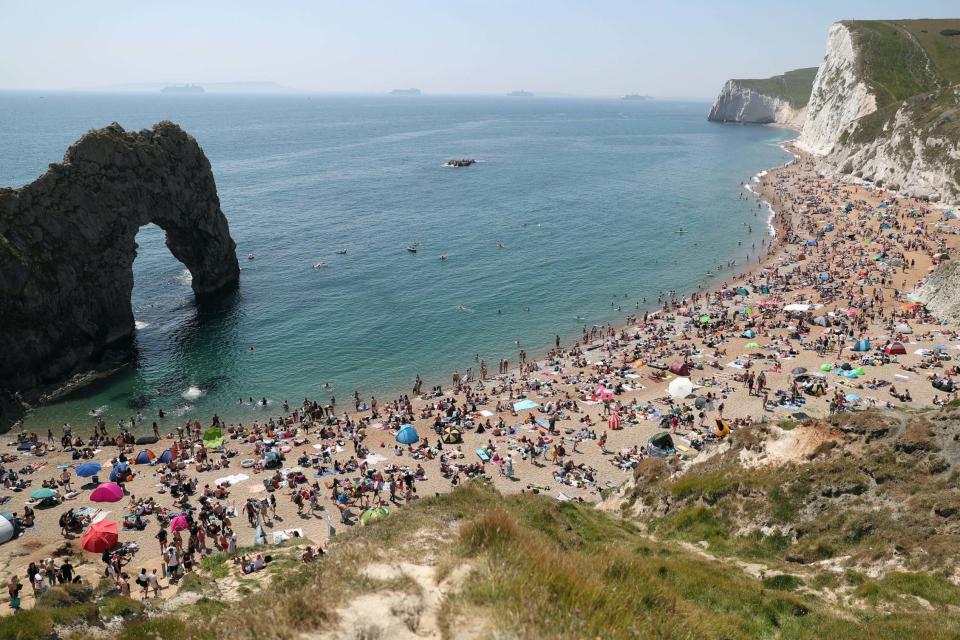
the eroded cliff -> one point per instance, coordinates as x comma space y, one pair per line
778, 100
67, 246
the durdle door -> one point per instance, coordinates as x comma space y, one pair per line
68, 242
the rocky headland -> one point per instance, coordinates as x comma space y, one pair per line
68, 242
778, 100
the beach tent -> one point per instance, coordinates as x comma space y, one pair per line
752, 345
823, 321
904, 328
166, 456
271, 460
661, 445
7, 531
179, 523
742, 292
146, 440
862, 345
145, 456
680, 388
213, 438
614, 421
119, 472
749, 333
107, 492
680, 368
372, 515
100, 537
407, 434
811, 243
895, 349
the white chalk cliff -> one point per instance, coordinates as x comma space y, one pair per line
839, 96
738, 103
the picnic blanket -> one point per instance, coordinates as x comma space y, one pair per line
524, 405
287, 534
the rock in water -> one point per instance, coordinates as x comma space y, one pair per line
68, 241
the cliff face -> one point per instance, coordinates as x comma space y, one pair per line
884, 105
940, 292
839, 95
737, 103
67, 246
777, 100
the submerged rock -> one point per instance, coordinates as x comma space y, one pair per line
68, 242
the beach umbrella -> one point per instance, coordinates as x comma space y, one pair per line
940, 347
407, 434
680, 388
145, 456
452, 436
7, 530
43, 494
88, 469
700, 403
100, 537
798, 371
179, 523
372, 515
107, 492
752, 345
166, 456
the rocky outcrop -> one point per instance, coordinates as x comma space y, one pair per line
777, 100
737, 103
940, 292
67, 246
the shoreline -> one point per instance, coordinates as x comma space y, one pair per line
521, 448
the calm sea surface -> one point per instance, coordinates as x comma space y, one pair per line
584, 196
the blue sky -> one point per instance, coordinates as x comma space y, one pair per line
668, 49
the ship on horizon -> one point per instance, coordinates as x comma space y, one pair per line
636, 96
182, 88
406, 92
520, 94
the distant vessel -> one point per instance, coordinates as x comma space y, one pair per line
520, 94
463, 162
405, 92
341, 252
635, 96
320, 265
182, 88
414, 247
680, 230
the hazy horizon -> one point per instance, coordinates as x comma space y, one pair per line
560, 48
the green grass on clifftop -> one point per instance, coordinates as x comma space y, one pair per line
793, 86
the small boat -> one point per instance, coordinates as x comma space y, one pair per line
709, 273
443, 257
414, 247
341, 252
680, 230
320, 265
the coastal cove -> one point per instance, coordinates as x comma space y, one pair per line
584, 196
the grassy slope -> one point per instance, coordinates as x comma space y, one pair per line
543, 569
793, 86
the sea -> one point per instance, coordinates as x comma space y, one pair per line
577, 213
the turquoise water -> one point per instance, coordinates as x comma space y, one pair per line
583, 194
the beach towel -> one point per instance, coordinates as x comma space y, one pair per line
374, 458
562, 497
485, 413
231, 480
283, 536
482, 454
524, 405
100, 516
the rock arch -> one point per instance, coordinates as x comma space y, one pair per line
68, 242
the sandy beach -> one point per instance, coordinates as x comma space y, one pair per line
776, 340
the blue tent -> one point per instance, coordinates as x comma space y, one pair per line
828, 228
88, 469
119, 472
166, 456
749, 333
824, 277
811, 243
862, 345
407, 434
145, 457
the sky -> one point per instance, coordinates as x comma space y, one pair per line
676, 48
